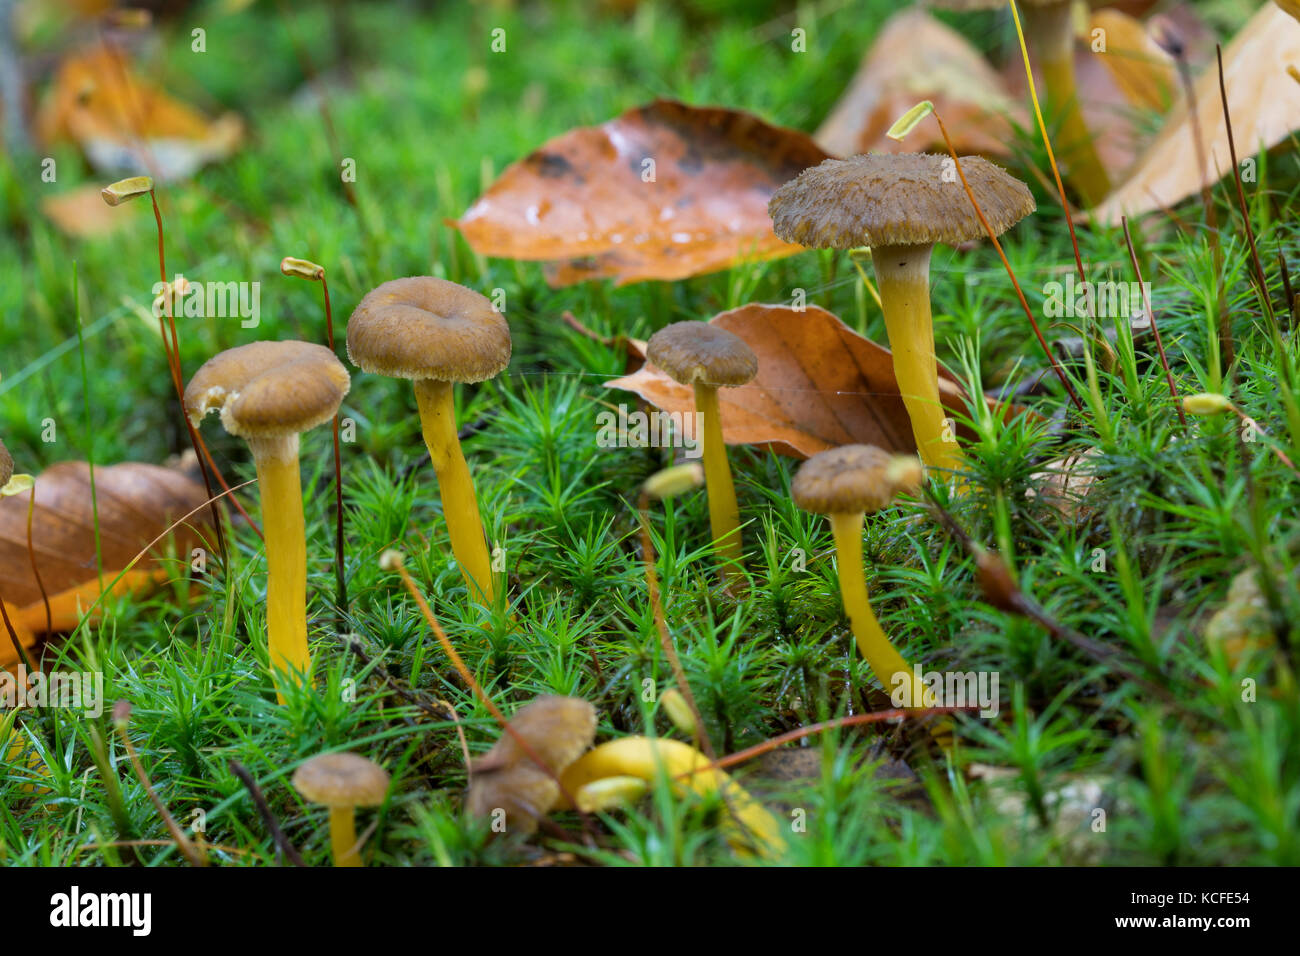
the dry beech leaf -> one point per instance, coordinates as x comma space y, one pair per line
1265, 105
125, 124
137, 502
586, 202
914, 58
558, 729
819, 385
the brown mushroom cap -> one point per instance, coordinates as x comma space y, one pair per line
421, 327
342, 780
6, 465
853, 478
558, 729
269, 389
902, 199
694, 352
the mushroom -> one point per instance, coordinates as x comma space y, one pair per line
901, 205
6, 465
437, 333
507, 779
844, 483
342, 781
749, 826
267, 393
1049, 33
707, 358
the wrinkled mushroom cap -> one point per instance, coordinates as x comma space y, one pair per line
421, 327
342, 780
269, 389
558, 729
901, 199
6, 465
852, 479
694, 352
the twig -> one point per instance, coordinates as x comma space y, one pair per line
282, 843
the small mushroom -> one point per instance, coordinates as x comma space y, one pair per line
707, 358
507, 779
1049, 34
901, 205
437, 333
342, 781
844, 483
6, 465
748, 824
267, 393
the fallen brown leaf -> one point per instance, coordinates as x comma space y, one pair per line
914, 58
819, 385
1265, 105
664, 191
125, 124
137, 502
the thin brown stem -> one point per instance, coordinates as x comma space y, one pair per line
340, 557
31, 557
661, 624
1155, 327
397, 563
1047, 349
193, 854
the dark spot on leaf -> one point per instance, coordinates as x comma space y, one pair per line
551, 165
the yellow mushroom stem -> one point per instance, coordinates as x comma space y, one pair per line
903, 276
437, 406
286, 555
751, 828
724, 513
343, 836
1050, 33
884, 659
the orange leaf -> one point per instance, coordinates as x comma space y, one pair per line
914, 58
819, 385
125, 124
664, 191
137, 502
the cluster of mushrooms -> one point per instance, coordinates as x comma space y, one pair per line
437, 333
